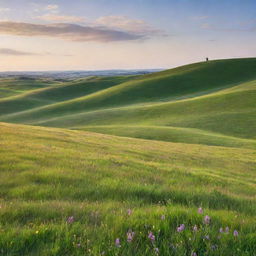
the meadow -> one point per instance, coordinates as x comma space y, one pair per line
156, 164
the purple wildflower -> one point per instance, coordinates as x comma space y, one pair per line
156, 250
207, 219
221, 230
235, 233
151, 237
129, 212
130, 236
117, 243
195, 228
194, 254
78, 245
207, 237
200, 210
181, 228
163, 217
227, 229
70, 219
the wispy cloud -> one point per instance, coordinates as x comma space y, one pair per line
71, 32
12, 52
4, 10
61, 18
52, 7
126, 24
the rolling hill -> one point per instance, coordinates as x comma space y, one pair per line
154, 164
211, 102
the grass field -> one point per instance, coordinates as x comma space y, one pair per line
158, 164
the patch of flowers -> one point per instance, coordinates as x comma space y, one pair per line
185, 236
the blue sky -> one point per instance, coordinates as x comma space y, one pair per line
107, 34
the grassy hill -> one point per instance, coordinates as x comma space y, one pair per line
213, 98
85, 162
49, 174
14, 86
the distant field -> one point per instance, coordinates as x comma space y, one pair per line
215, 98
86, 162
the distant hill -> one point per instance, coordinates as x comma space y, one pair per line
210, 103
75, 74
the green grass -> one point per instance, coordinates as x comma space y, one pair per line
50, 174
173, 134
14, 86
159, 144
57, 92
214, 97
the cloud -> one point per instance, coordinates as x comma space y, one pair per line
70, 32
52, 7
127, 24
12, 52
61, 18
4, 10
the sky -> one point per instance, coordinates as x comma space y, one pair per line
42, 35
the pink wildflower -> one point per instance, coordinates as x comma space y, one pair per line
130, 236
181, 228
151, 237
70, 219
195, 228
117, 243
207, 219
235, 233
129, 212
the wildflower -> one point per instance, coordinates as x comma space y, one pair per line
207, 237
195, 228
214, 247
156, 250
172, 246
207, 219
227, 229
129, 212
163, 217
78, 245
151, 237
130, 236
194, 254
37, 232
221, 230
200, 210
235, 233
117, 243
181, 228
70, 219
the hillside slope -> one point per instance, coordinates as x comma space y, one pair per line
209, 103
50, 174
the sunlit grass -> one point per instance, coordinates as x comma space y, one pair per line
48, 175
